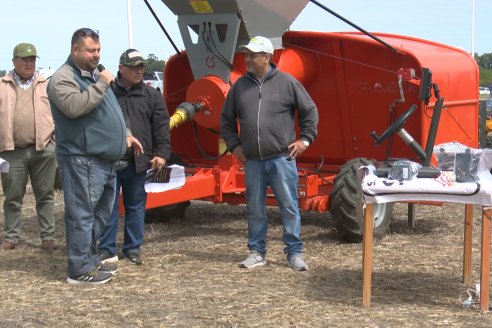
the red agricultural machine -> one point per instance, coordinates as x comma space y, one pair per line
360, 82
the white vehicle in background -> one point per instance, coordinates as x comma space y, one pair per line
484, 91
46, 72
154, 79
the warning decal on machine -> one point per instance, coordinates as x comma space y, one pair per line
201, 6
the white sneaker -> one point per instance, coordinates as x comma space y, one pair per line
297, 263
107, 258
254, 259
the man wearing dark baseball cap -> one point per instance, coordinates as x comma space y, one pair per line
27, 144
131, 58
147, 117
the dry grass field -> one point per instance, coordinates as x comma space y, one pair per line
190, 277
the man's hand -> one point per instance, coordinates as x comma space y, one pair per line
157, 163
106, 76
131, 141
296, 149
238, 152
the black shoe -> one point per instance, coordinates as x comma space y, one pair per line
108, 268
133, 258
92, 277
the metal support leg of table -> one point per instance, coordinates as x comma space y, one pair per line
411, 215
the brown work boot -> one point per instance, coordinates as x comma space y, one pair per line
7, 245
48, 245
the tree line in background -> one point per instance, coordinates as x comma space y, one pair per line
485, 66
152, 64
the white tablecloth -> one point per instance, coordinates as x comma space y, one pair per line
442, 188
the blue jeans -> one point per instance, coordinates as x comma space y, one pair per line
281, 175
134, 198
89, 189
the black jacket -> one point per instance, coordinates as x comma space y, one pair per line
147, 117
266, 111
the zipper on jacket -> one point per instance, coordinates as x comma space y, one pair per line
260, 83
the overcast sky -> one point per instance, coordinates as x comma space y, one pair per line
49, 24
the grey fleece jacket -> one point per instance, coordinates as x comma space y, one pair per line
266, 111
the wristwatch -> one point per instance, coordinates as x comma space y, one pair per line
306, 143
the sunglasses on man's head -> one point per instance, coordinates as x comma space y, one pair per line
88, 32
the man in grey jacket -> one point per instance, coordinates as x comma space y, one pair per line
91, 135
265, 101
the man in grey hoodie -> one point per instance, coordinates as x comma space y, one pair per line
265, 101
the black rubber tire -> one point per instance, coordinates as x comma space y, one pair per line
346, 204
163, 213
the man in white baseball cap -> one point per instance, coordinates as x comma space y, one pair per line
266, 102
259, 44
